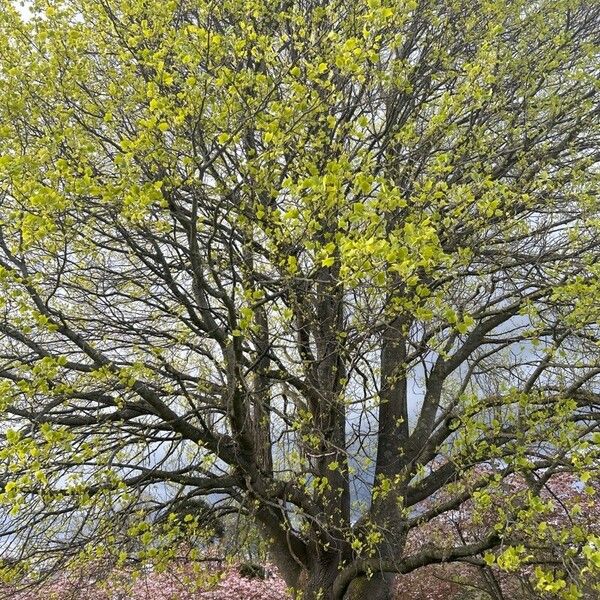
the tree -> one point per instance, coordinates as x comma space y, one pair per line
331, 265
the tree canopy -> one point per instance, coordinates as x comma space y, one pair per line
330, 265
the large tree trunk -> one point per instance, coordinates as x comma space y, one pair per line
317, 584
378, 587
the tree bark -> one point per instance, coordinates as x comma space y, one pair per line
317, 583
379, 587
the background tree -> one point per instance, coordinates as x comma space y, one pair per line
317, 261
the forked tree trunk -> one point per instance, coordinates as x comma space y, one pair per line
313, 574
317, 582
378, 587
318, 585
